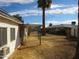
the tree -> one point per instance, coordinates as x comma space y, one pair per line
50, 24
43, 4
18, 17
73, 23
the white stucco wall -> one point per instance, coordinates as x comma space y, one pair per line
11, 44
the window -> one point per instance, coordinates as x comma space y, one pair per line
12, 34
3, 36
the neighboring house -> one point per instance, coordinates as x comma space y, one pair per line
28, 28
70, 29
32, 27
9, 34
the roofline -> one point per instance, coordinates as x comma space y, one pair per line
5, 12
9, 17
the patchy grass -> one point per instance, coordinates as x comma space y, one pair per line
53, 47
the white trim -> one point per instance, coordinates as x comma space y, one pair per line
10, 19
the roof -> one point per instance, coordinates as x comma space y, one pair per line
63, 25
6, 15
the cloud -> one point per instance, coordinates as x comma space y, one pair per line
27, 12
56, 5
69, 10
16, 1
54, 22
8, 2
36, 12
4, 4
36, 23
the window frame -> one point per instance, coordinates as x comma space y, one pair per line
12, 34
3, 36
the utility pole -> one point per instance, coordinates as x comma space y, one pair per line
77, 47
78, 20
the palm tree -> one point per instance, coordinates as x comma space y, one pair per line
43, 4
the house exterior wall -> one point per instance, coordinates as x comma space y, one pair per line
11, 44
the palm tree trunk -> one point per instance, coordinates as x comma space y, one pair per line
43, 22
77, 47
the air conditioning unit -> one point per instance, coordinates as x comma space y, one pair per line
4, 51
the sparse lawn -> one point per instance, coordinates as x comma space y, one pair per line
53, 47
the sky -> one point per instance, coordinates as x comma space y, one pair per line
60, 11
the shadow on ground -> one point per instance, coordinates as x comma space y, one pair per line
52, 47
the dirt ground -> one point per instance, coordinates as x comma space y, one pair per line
52, 47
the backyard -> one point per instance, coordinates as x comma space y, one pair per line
52, 47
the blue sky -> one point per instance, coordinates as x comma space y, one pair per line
60, 12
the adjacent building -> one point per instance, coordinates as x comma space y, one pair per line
67, 29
